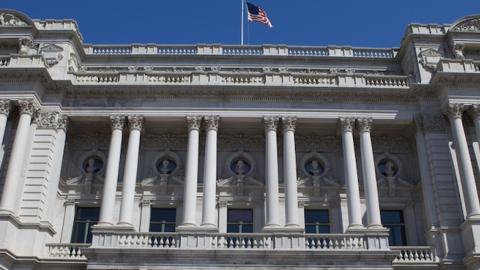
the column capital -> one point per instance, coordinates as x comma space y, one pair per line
117, 122
365, 124
211, 122
135, 122
347, 123
289, 123
271, 123
475, 111
194, 122
4, 106
27, 106
62, 121
46, 119
455, 110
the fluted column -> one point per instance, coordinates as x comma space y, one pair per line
369, 177
290, 172
271, 173
4, 111
191, 172
111, 175
135, 124
210, 173
351, 175
465, 164
14, 171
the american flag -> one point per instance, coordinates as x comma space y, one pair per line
256, 14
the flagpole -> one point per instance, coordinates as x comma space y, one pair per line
241, 28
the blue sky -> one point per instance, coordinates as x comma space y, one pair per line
372, 23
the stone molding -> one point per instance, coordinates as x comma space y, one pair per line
194, 122
117, 122
365, 124
50, 120
211, 122
135, 122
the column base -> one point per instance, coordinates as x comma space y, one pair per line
207, 228
377, 227
271, 228
187, 227
356, 228
124, 226
6, 212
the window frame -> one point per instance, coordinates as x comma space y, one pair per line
317, 224
163, 222
87, 225
241, 223
401, 225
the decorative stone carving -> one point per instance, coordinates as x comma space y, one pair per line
52, 54
26, 47
244, 142
47, 119
165, 141
365, 124
240, 166
469, 25
91, 165
317, 143
73, 63
429, 58
432, 122
455, 110
315, 170
62, 122
4, 106
271, 123
7, 19
27, 106
392, 144
211, 122
194, 122
88, 141
458, 51
288, 123
135, 122
388, 168
117, 121
347, 123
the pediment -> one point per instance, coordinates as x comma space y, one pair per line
467, 24
51, 48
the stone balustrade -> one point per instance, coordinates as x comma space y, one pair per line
66, 251
4, 61
23, 61
241, 50
269, 241
458, 66
232, 78
415, 255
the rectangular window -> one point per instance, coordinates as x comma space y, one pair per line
163, 219
85, 218
393, 220
317, 221
240, 221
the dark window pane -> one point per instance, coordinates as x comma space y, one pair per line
233, 228
310, 229
317, 221
393, 220
169, 227
247, 228
236, 215
323, 229
163, 219
85, 218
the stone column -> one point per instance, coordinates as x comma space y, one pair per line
111, 175
271, 173
290, 172
4, 111
191, 172
210, 173
369, 176
464, 162
135, 124
14, 171
351, 176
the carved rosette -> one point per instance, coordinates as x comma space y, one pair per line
27, 106
347, 123
117, 122
135, 122
289, 123
271, 123
211, 122
365, 124
46, 119
4, 106
455, 111
194, 122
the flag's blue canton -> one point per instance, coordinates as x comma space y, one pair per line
256, 14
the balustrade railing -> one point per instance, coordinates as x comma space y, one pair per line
242, 50
112, 50
4, 61
308, 51
415, 255
373, 53
386, 81
242, 241
97, 78
67, 251
314, 79
334, 241
177, 50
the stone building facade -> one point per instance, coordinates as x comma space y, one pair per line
217, 156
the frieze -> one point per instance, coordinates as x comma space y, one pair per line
165, 141
432, 122
89, 141
391, 144
315, 143
232, 143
